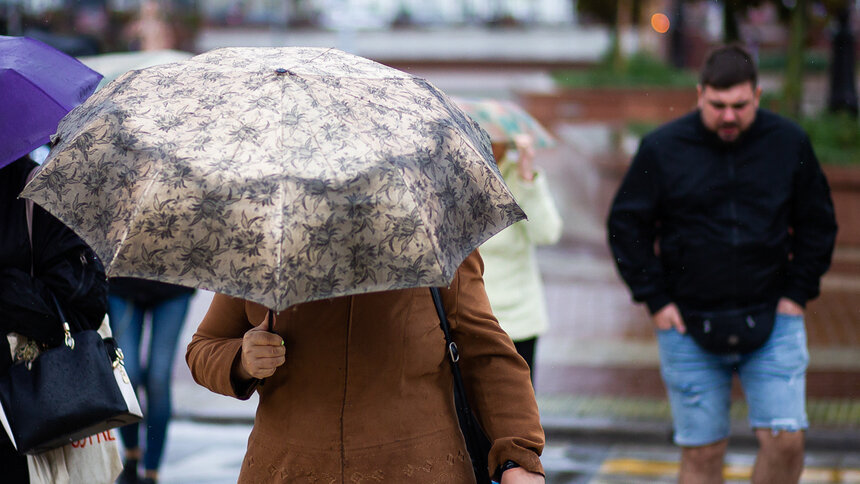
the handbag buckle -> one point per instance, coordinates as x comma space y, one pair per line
70, 342
117, 363
454, 352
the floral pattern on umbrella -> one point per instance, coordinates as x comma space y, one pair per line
279, 175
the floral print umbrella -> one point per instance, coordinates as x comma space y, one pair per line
504, 120
278, 175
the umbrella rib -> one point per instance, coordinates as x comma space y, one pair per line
424, 223
138, 207
308, 61
317, 78
279, 256
48, 95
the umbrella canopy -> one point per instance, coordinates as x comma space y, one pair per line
116, 64
38, 86
279, 175
504, 120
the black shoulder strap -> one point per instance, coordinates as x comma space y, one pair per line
477, 443
29, 212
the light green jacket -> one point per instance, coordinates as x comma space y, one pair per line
511, 273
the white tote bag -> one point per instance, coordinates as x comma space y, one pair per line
94, 460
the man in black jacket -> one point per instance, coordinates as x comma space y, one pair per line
723, 226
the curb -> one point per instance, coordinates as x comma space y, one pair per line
610, 430
603, 429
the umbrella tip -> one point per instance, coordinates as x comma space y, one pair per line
281, 70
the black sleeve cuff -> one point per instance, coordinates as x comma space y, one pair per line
657, 302
797, 295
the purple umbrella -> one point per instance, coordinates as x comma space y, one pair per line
38, 86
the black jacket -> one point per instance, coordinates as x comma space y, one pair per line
63, 266
735, 224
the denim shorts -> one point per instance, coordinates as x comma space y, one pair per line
699, 383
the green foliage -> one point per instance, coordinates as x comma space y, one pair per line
813, 62
641, 128
835, 138
640, 70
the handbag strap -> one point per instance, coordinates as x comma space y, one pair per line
28, 209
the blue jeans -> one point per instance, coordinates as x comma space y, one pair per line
699, 383
154, 374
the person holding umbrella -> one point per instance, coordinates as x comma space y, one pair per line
511, 274
357, 388
40, 259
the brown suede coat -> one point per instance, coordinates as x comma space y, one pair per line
366, 392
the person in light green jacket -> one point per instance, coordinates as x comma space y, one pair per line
511, 274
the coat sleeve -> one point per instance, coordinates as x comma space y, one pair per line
543, 226
216, 344
814, 228
495, 376
65, 268
632, 230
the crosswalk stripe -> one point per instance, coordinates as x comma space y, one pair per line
650, 468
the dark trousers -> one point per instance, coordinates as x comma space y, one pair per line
526, 349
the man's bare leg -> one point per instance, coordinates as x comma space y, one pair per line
780, 457
704, 464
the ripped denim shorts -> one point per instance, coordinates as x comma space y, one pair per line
699, 383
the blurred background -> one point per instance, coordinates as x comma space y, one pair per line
598, 74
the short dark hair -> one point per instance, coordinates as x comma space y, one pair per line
728, 66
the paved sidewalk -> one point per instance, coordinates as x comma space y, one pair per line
200, 453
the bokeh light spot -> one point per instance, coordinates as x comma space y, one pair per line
660, 23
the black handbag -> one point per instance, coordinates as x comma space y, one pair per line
67, 393
732, 331
477, 443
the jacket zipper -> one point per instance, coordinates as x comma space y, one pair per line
733, 214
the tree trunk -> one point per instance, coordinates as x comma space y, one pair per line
731, 33
677, 49
843, 90
616, 54
792, 88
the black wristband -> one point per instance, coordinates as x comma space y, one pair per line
508, 464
